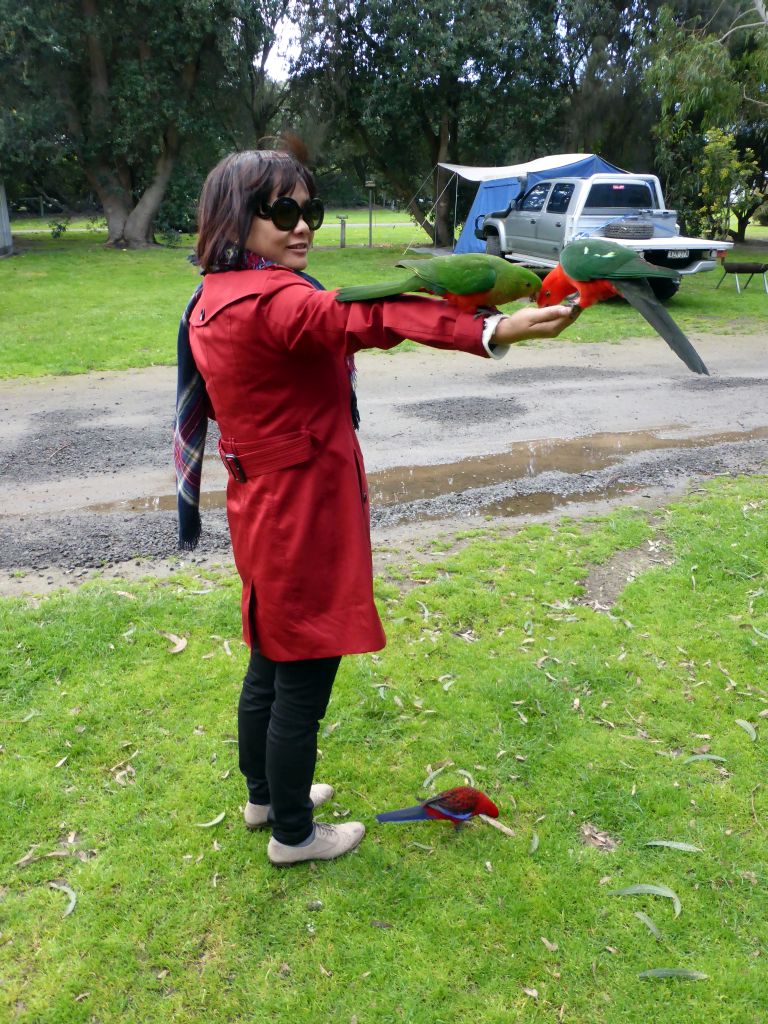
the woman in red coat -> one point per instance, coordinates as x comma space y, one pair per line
275, 353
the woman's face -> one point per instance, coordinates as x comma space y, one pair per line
288, 248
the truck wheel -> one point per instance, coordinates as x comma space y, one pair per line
492, 245
663, 287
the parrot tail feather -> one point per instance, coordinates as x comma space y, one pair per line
416, 813
382, 290
639, 295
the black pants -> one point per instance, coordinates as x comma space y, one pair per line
277, 721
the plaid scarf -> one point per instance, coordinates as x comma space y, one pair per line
191, 422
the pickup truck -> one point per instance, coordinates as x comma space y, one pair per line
629, 208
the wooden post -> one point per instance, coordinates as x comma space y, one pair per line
6, 242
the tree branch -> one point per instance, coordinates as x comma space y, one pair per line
739, 28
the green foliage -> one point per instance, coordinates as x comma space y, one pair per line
709, 86
574, 720
59, 225
120, 91
726, 182
414, 85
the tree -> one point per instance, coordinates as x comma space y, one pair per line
412, 85
120, 88
711, 83
604, 46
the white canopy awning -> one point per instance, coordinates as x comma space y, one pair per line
544, 163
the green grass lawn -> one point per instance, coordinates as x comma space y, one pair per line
114, 751
71, 305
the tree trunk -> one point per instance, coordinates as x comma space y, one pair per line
139, 228
443, 217
418, 215
6, 242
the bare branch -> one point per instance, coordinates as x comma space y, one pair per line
739, 28
751, 99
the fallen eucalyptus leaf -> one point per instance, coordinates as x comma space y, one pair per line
703, 757
674, 972
534, 843
648, 924
650, 890
551, 946
497, 825
28, 858
592, 836
748, 728
209, 824
178, 643
685, 847
433, 775
70, 893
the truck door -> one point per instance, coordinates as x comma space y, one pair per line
521, 223
550, 229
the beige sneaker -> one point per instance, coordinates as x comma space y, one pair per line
329, 841
256, 814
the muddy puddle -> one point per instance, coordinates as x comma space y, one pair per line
523, 460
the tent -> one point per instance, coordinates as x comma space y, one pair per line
500, 186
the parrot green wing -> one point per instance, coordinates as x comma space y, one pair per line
465, 274
590, 259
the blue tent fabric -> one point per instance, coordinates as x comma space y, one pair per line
496, 194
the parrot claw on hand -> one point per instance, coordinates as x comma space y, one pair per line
456, 805
470, 281
597, 269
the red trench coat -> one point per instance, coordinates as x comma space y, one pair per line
273, 353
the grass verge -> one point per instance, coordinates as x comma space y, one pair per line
576, 720
71, 305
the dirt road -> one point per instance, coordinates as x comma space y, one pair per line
449, 440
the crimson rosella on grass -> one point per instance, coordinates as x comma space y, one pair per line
597, 269
469, 280
456, 805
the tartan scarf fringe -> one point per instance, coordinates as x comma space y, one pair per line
191, 419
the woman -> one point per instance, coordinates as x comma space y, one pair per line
275, 353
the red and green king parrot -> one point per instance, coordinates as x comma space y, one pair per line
457, 805
597, 269
470, 281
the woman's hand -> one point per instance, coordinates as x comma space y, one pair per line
532, 322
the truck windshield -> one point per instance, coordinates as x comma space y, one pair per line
610, 195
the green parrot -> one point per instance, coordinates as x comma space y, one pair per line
597, 269
469, 281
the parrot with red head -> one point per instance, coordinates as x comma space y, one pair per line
456, 805
596, 269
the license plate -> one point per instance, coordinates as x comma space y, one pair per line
678, 254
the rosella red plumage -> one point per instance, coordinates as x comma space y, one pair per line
456, 805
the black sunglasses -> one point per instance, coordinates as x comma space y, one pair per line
285, 213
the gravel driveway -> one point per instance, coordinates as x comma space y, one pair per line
448, 439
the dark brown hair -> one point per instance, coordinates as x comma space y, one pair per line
240, 186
